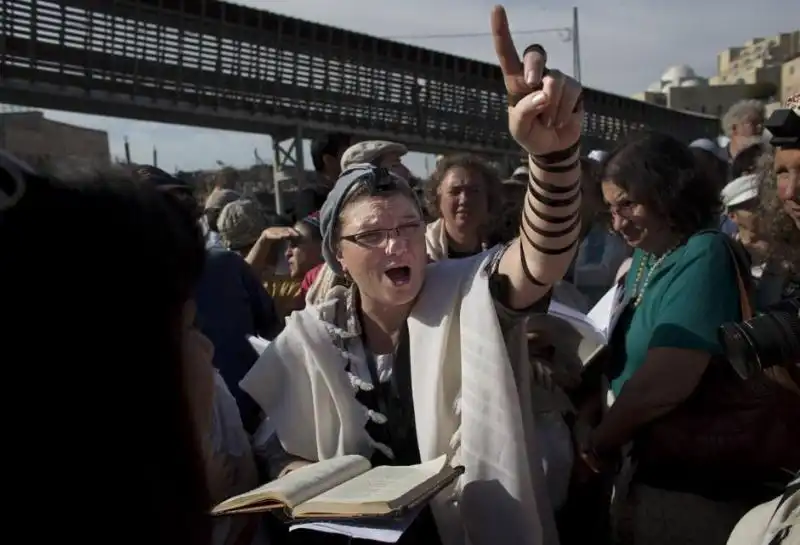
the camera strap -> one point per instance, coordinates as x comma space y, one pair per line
744, 280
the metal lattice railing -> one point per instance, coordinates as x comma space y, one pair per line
224, 56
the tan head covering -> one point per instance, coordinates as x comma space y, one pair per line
369, 150
241, 223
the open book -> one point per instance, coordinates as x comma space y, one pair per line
592, 330
346, 487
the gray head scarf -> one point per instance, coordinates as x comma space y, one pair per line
376, 180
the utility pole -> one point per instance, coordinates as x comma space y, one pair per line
576, 46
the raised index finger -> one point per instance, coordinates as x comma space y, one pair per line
506, 52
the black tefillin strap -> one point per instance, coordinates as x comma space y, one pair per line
379, 180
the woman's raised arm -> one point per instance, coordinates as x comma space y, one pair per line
544, 116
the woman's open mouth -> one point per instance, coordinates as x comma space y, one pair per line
399, 276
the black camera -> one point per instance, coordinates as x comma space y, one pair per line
767, 340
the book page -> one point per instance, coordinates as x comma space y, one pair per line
301, 484
579, 321
608, 309
379, 529
572, 315
380, 485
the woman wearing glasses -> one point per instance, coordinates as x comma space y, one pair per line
415, 361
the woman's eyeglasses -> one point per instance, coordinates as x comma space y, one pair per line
622, 209
379, 238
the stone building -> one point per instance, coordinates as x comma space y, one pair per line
40, 141
763, 68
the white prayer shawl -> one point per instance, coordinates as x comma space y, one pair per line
436, 240
324, 282
776, 522
468, 400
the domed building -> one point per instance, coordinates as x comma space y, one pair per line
676, 74
764, 69
680, 75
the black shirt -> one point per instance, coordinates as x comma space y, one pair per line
393, 399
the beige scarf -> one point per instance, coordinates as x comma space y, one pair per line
471, 402
436, 241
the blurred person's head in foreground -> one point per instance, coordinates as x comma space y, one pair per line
99, 322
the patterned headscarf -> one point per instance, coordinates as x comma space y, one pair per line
240, 224
376, 180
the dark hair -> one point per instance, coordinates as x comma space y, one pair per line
711, 166
592, 206
661, 173
330, 144
474, 163
746, 161
276, 220
314, 231
95, 275
212, 217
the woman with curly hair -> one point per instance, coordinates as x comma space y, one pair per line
776, 522
463, 195
601, 251
682, 285
776, 225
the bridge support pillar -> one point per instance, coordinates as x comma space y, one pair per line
288, 153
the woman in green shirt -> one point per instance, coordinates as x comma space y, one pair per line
681, 287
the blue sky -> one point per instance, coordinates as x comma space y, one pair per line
625, 46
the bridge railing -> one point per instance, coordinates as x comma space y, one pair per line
221, 55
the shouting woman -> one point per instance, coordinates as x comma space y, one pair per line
418, 360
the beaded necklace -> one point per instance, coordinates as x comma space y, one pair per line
639, 287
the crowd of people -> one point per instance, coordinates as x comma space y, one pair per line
432, 303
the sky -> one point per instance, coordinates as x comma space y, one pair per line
625, 46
